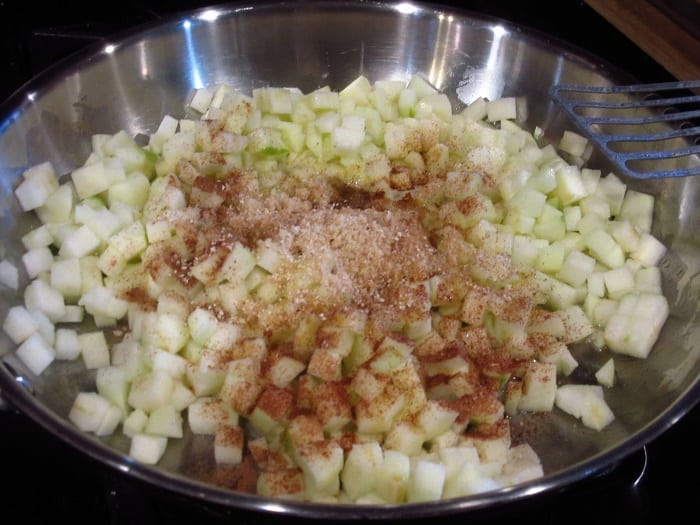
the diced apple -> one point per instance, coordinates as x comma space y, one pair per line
636, 324
19, 323
576, 268
604, 248
39, 295
102, 301
9, 274
94, 349
134, 423
67, 344
79, 243
638, 208
605, 375
88, 411
37, 185
36, 353
359, 473
523, 464
65, 276
426, 482
405, 437
147, 449
206, 414
539, 387
287, 483
504, 108
151, 390
587, 403
392, 476
649, 251
112, 382
573, 143
165, 421
321, 463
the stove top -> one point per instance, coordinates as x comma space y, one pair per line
45, 479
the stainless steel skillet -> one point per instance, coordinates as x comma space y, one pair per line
129, 83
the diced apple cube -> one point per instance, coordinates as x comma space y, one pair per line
228, 444
201, 99
550, 258
113, 383
206, 414
45, 326
405, 437
359, 474
512, 395
426, 482
570, 187
183, 396
151, 390
281, 483
504, 108
634, 328
170, 332
271, 412
90, 273
38, 183
605, 375
392, 476
587, 403
147, 449
88, 411
168, 362
321, 463
58, 207
435, 418
573, 143
102, 301
346, 139
638, 208
225, 336
202, 324
39, 295
284, 369
19, 323
539, 387
522, 465
619, 282
576, 268
576, 323
94, 349
36, 353
9, 274
165, 421
604, 248
79, 243
37, 260
649, 250
135, 422
130, 241
357, 90
65, 276
90, 179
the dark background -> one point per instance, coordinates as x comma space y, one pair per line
44, 480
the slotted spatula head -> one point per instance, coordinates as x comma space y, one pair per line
646, 130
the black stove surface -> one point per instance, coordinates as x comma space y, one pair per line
45, 480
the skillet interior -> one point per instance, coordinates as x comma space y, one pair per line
136, 79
